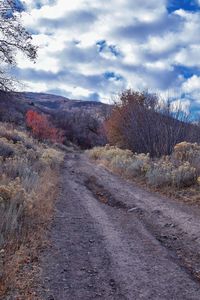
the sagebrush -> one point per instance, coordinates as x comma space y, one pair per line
28, 171
181, 169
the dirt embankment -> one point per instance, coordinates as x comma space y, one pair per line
113, 240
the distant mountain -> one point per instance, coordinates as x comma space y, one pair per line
80, 120
51, 103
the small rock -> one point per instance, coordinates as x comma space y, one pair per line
172, 225
132, 209
112, 282
157, 211
98, 294
164, 236
169, 225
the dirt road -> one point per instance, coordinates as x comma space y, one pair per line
113, 240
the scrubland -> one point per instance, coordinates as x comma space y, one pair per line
177, 174
28, 186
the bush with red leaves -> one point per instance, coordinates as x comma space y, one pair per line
42, 128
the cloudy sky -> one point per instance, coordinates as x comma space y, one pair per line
93, 49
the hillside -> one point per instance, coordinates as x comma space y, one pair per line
52, 103
80, 120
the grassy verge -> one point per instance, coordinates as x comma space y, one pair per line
28, 185
176, 175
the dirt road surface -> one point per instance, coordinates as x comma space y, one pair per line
112, 240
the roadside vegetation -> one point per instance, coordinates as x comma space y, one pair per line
177, 174
152, 142
29, 172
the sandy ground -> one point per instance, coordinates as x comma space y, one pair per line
110, 239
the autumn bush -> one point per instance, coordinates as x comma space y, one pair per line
42, 128
28, 176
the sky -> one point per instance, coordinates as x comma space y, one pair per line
94, 49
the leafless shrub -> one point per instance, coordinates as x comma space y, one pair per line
81, 128
143, 123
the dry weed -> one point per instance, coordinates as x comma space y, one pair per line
28, 185
180, 170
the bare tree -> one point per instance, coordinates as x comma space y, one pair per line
143, 123
81, 128
13, 37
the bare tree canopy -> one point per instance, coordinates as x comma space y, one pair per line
13, 37
144, 123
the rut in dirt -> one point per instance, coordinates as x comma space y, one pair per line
106, 243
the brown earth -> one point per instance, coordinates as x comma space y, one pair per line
110, 239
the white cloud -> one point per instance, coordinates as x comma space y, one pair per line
191, 88
141, 42
192, 84
189, 56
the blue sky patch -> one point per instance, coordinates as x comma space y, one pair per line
188, 5
112, 75
187, 72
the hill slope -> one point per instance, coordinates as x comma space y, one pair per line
80, 120
53, 103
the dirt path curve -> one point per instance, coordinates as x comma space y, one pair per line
112, 240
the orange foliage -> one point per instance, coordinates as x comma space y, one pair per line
42, 128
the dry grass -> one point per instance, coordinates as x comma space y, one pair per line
176, 175
28, 187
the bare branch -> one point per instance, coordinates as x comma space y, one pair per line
13, 38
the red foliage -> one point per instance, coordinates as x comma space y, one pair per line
42, 128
